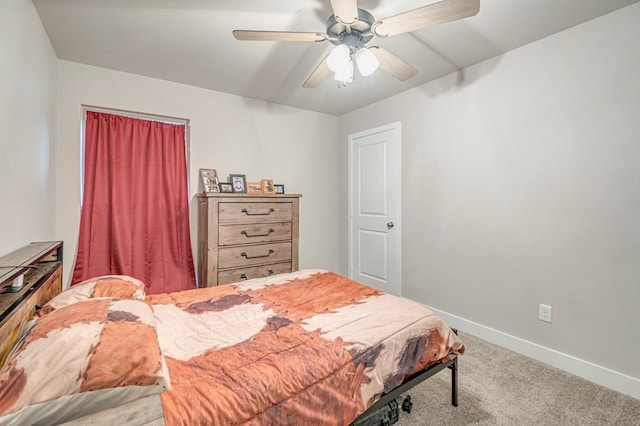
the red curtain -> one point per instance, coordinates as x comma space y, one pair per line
135, 211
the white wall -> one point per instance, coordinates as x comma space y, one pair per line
27, 127
228, 133
520, 186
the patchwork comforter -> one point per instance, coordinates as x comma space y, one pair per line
310, 347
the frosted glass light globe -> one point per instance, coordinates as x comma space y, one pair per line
339, 58
367, 62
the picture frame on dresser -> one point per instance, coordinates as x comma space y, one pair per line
279, 188
209, 178
239, 183
225, 187
267, 186
254, 188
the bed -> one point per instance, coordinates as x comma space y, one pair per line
309, 347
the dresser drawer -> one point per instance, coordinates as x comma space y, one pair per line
255, 212
232, 257
242, 274
253, 233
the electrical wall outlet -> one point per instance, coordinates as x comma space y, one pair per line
545, 313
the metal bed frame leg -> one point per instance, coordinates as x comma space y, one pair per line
386, 398
454, 382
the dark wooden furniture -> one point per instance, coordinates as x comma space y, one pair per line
246, 236
40, 266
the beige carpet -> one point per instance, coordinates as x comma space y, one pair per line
500, 387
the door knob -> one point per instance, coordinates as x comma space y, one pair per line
389, 225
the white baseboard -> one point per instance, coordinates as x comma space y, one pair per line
587, 370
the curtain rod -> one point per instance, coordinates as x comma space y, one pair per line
135, 114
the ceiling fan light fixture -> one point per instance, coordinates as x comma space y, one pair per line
367, 61
350, 29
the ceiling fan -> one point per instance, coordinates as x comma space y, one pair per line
351, 28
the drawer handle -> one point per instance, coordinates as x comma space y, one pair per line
257, 235
271, 210
270, 272
244, 253
243, 276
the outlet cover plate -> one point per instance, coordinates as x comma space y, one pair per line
545, 313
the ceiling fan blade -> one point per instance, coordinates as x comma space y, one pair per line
436, 13
393, 65
318, 75
345, 11
278, 36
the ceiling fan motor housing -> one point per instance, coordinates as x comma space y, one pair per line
355, 35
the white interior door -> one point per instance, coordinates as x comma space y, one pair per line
375, 200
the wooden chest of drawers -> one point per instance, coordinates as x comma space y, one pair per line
246, 236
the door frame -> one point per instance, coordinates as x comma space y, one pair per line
397, 128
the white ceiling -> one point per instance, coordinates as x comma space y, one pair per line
190, 41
